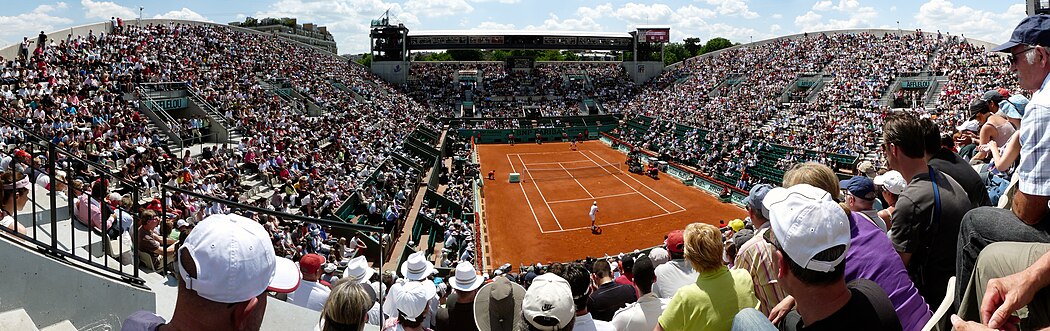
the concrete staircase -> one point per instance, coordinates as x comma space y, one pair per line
18, 319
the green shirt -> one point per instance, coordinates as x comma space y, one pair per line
710, 303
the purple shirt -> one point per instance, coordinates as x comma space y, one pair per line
871, 256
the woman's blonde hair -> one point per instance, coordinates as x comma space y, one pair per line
816, 174
347, 306
703, 246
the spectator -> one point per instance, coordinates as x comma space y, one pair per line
757, 256
1007, 277
994, 126
627, 272
1026, 221
161, 250
609, 296
411, 303
548, 305
579, 281
872, 257
357, 269
225, 268
497, 305
659, 255
926, 220
892, 184
811, 234
347, 307
953, 165
677, 272
716, 295
643, 314
13, 197
312, 293
860, 198
458, 313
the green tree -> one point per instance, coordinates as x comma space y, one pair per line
366, 60
716, 44
570, 56
465, 54
498, 55
674, 52
692, 45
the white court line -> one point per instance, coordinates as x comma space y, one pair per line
595, 198
640, 182
537, 218
540, 192
614, 223
577, 181
544, 153
625, 183
558, 163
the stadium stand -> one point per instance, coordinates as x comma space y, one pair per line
333, 161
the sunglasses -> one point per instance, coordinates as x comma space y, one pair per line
1014, 56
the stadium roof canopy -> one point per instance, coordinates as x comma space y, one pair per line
524, 39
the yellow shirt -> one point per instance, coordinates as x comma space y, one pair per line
710, 303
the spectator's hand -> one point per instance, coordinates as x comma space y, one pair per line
781, 309
960, 325
1004, 296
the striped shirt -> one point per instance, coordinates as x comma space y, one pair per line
1034, 169
757, 257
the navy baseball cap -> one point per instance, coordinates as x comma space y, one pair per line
859, 186
1033, 30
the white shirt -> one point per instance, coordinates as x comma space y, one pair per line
672, 276
642, 315
311, 295
594, 210
587, 323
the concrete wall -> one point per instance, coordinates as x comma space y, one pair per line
640, 72
394, 72
52, 291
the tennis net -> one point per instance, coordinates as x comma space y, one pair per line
549, 174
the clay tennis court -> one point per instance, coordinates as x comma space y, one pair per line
544, 218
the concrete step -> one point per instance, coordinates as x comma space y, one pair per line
64, 325
17, 319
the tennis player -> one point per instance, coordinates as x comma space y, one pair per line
593, 213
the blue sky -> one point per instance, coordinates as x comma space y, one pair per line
737, 20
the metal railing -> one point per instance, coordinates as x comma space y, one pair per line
159, 117
83, 230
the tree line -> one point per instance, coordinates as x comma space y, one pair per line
673, 52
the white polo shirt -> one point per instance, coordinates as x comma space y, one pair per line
310, 295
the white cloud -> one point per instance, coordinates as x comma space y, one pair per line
774, 28
634, 13
106, 9
184, 14
493, 26
41, 18
438, 8
598, 11
554, 23
981, 24
736, 8
777, 16
846, 14
500, 1
347, 20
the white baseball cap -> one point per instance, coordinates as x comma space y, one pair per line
892, 180
232, 260
548, 303
806, 221
971, 125
413, 299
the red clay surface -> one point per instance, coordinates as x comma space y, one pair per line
547, 220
